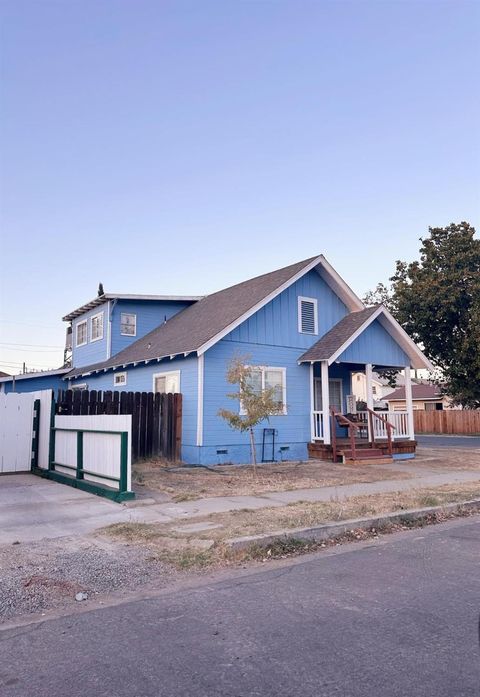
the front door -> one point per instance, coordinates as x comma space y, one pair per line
335, 394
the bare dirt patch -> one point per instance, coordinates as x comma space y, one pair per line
447, 459
189, 483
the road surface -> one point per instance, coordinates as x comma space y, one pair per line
377, 619
448, 441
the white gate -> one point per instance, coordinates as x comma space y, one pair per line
24, 436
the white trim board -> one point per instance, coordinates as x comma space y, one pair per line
390, 324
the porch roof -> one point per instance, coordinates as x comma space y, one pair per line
331, 346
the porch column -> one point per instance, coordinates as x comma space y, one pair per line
312, 404
369, 395
325, 402
409, 403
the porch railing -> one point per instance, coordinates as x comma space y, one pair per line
398, 419
317, 425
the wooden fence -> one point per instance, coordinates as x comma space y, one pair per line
156, 418
461, 421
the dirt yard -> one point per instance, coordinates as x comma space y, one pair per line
447, 459
189, 483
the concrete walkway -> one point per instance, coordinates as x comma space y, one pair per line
32, 508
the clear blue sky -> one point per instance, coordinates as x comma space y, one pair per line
179, 147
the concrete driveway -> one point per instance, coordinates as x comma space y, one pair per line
443, 441
32, 508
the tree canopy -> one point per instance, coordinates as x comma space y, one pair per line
437, 301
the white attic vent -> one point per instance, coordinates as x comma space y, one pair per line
307, 315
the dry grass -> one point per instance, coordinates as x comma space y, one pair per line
447, 458
205, 548
188, 483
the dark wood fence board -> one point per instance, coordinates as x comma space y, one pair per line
156, 418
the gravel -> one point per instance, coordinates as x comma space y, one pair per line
37, 577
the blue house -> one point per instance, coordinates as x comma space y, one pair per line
302, 327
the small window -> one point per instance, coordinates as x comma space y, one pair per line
119, 379
374, 389
81, 334
79, 388
128, 324
262, 378
167, 382
96, 327
307, 316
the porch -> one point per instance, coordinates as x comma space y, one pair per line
341, 432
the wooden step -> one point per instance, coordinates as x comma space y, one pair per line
361, 452
365, 456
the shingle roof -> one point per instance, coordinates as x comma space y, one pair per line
427, 391
193, 327
100, 299
329, 344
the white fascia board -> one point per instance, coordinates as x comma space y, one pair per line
29, 376
355, 335
390, 324
417, 357
333, 279
233, 325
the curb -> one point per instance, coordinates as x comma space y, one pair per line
330, 531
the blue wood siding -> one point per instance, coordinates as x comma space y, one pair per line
140, 379
92, 351
375, 345
293, 429
150, 314
276, 324
47, 382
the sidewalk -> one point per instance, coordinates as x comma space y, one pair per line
33, 509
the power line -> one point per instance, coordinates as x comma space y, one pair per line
8, 343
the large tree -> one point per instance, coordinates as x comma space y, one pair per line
437, 301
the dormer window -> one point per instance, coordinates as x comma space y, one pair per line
96, 327
81, 334
307, 315
128, 324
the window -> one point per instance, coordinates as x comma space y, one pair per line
81, 334
307, 315
119, 379
96, 327
167, 382
79, 388
128, 324
263, 378
335, 394
374, 389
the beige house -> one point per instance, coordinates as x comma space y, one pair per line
425, 397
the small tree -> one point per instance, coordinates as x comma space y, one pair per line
255, 404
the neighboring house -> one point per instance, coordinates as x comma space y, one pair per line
359, 387
425, 397
4, 375
302, 325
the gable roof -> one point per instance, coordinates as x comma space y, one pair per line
426, 391
100, 299
334, 339
200, 326
344, 333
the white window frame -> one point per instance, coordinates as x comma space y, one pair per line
80, 387
263, 369
302, 298
130, 314
97, 338
117, 375
164, 374
79, 324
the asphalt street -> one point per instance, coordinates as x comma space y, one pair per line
448, 441
395, 617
